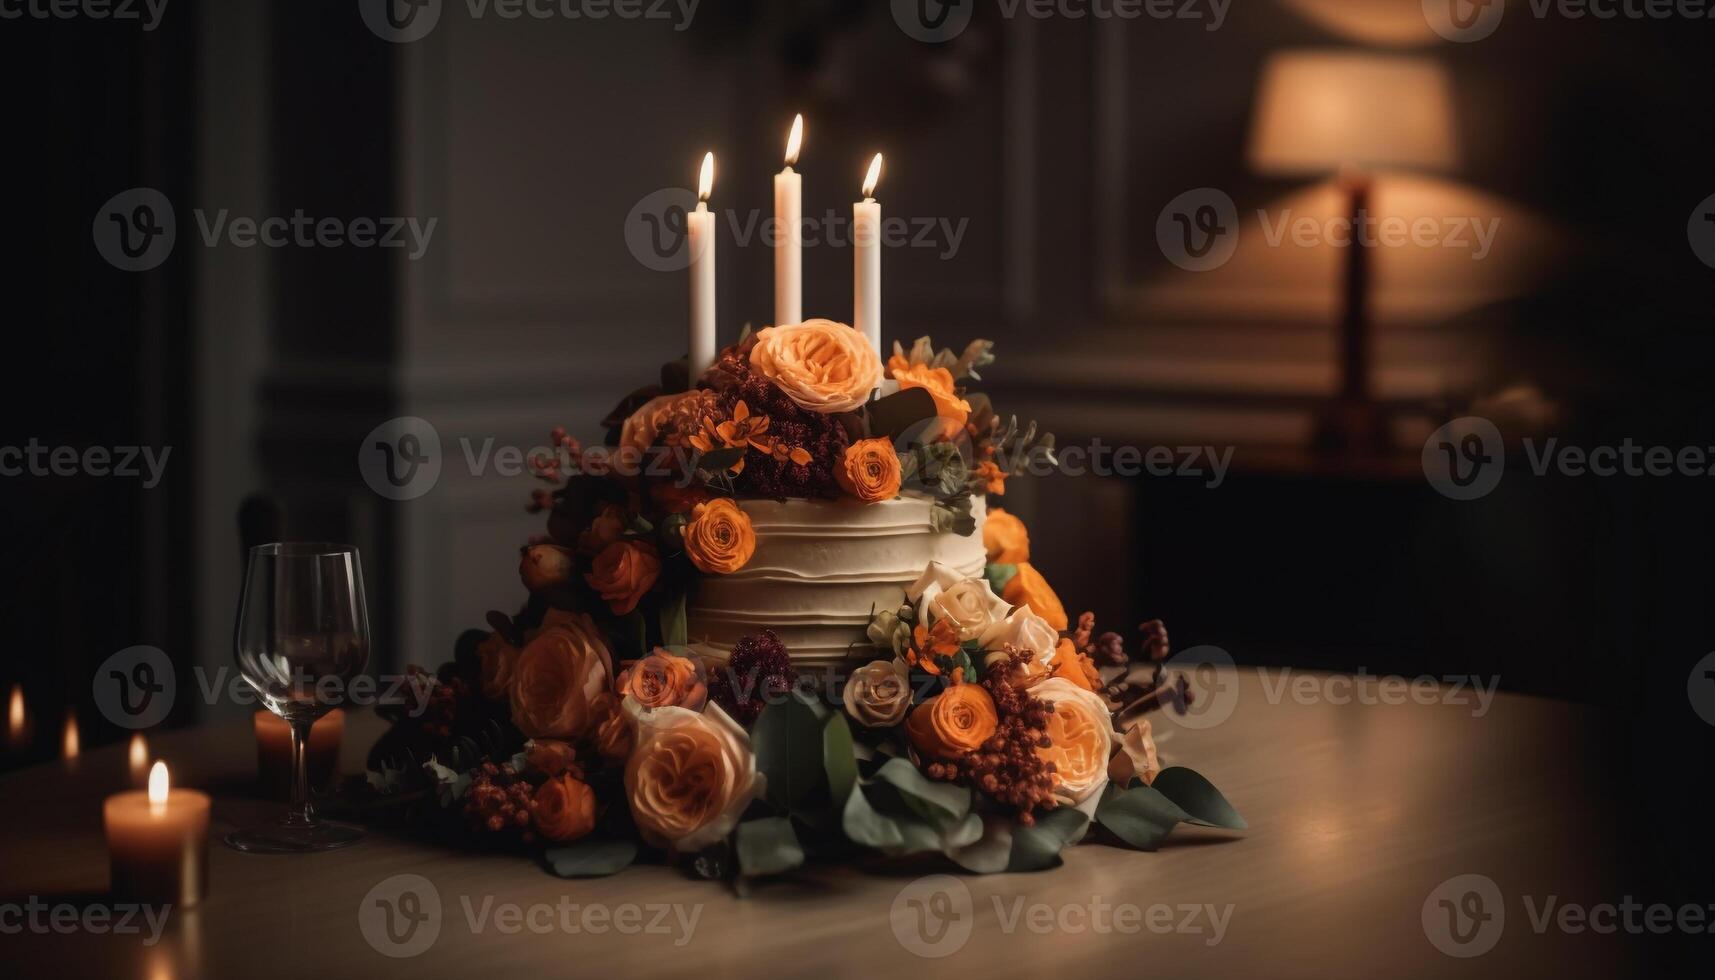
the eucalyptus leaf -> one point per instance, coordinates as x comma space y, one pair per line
768, 846
951, 800
590, 857
839, 757
1038, 848
787, 740
1141, 816
673, 631
1199, 798
866, 825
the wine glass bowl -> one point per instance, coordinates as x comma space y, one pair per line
302, 636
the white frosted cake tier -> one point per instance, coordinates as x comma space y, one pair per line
820, 567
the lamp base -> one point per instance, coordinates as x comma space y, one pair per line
1352, 427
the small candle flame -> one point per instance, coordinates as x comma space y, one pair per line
795, 141
158, 785
70, 743
873, 177
706, 179
139, 753
15, 714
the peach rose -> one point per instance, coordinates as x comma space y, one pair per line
551, 756
563, 808
640, 430
690, 776
613, 729
719, 539
1029, 588
497, 659
878, 694
1025, 631
557, 678
952, 410
1081, 739
954, 723
623, 573
605, 529
663, 680
821, 365
969, 604
870, 471
1137, 755
1004, 538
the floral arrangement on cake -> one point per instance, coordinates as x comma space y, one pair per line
988, 727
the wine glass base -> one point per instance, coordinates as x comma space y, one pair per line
323, 835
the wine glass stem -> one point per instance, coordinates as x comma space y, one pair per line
301, 814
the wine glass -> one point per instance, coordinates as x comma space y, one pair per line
302, 635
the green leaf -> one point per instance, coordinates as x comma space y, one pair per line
999, 575
891, 416
673, 632
866, 825
720, 460
768, 846
788, 744
839, 757
1038, 848
590, 857
951, 801
1199, 798
1140, 816
990, 853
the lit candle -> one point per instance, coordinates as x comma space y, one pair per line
866, 259
789, 240
274, 751
700, 227
69, 744
137, 758
157, 842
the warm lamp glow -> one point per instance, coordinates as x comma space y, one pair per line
795, 140
158, 785
1322, 111
706, 179
872, 178
70, 742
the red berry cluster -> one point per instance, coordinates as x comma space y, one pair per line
758, 671
1007, 769
823, 436
498, 800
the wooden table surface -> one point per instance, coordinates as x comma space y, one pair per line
1357, 812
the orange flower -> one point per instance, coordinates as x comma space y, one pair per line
1004, 538
938, 382
551, 757
545, 566
613, 728
563, 808
821, 365
993, 477
719, 539
661, 680
497, 659
1081, 738
1074, 666
955, 723
557, 678
604, 530
929, 644
870, 471
1029, 588
623, 573
690, 777
640, 431
746, 431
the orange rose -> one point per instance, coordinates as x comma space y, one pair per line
1004, 538
604, 530
639, 431
1029, 588
719, 538
938, 382
821, 365
563, 808
1074, 666
663, 680
544, 566
954, 723
870, 471
1081, 738
497, 658
551, 757
623, 572
612, 729
557, 678
690, 777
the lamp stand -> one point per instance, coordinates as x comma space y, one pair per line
1353, 424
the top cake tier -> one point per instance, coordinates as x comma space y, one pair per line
821, 568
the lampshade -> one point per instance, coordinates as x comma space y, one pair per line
1319, 111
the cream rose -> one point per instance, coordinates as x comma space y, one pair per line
1081, 741
1026, 631
690, 775
821, 365
941, 593
878, 694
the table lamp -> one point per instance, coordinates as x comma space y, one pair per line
1350, 114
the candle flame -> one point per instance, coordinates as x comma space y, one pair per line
706, 179
139, 752
15, 713
158, 784
70, 742
873, 177
795, 141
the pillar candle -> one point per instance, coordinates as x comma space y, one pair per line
789, 238
866, 261
157, 842
700, 229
